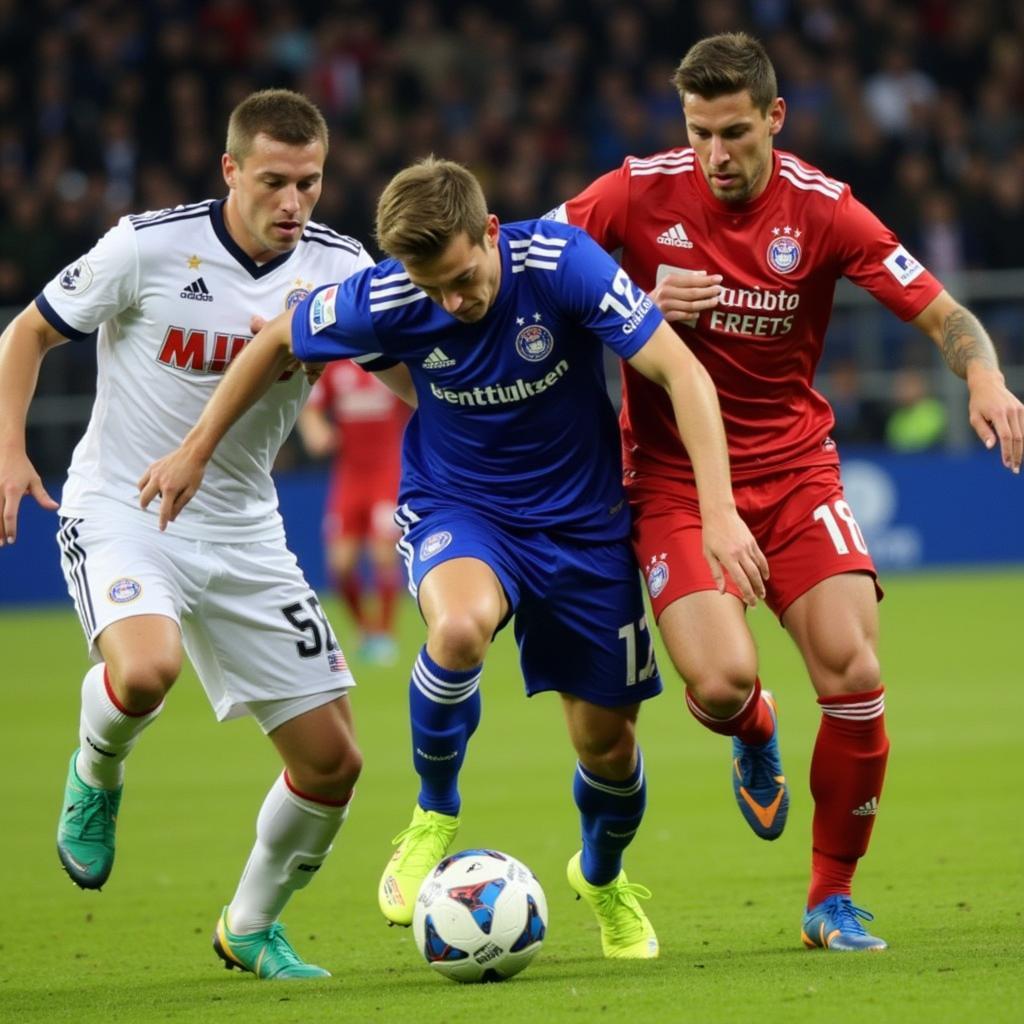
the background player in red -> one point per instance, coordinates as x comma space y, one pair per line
353, 416
740, 246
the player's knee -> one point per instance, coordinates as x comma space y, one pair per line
609, 757
722, 690
141, 684
332, 775
861, 672
459, 639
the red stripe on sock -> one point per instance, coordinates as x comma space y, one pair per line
117, 704
316, 799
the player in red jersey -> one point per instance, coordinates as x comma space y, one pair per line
740, 246
355, 417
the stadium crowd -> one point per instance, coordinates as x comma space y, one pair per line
108, 106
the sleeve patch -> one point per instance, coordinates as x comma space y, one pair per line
76, 278
902, 266
321, 309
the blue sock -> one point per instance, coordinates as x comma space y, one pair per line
610, 814
444, 710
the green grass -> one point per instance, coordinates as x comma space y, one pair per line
944, 876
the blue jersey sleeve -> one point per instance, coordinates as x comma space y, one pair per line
334, 322
604, 299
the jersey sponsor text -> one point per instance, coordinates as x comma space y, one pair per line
503, 394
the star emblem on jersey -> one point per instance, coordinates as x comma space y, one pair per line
193, 262
534, 342
298, 293
784, 251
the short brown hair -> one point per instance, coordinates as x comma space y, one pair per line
427, 205
728, 63
283, 115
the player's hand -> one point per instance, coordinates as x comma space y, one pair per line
997, 415
175, 478
682, 297
729, 547
18, 477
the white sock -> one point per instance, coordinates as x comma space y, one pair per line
106, 734
293, 838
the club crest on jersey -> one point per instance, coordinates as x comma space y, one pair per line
298, 294
76, 278
321, 310
657, 574
534, 343
435, 543
784, 253
124, 590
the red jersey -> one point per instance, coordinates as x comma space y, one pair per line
780, 256
368, 417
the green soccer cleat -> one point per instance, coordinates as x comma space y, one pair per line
267, 953
626, 934
85, 831
419, 848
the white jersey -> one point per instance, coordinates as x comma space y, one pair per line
173, 295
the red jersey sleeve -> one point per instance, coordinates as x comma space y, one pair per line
602, 207
871, 256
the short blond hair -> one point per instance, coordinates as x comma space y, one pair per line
427, 205
281, 114
728, 63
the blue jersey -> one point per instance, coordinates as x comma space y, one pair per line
514, 418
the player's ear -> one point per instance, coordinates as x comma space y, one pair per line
776, 115
229, 169
492, 230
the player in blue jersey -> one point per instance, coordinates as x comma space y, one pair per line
511, 497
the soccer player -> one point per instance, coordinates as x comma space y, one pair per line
511, 498
740, 247
355, 417
172, 294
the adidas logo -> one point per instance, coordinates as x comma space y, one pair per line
865, 809
675, 235
197, 290
437, 360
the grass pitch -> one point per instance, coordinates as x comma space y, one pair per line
944, 876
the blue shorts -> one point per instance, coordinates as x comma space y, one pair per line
579, 613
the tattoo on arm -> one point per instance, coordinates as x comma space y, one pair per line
964, 341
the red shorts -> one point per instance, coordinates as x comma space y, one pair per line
362, 505
799, 518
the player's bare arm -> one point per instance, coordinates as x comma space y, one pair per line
23, 345
398, 381
994, 411
177, 477
728, 543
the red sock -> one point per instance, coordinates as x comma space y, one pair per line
847, 772
752, 723
387, 591
351, 591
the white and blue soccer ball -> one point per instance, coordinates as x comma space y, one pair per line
480, 915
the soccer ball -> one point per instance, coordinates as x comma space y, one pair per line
480, 915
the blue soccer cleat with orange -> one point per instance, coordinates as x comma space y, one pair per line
758, 781
835, 923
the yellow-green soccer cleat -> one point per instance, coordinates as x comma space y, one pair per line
626, 934
85, 831
418, 848
267, 954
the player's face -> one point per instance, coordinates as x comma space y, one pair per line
273, 192
464, 280
733, 142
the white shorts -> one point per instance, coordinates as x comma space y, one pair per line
250, 623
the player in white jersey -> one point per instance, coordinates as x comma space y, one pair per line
174, 295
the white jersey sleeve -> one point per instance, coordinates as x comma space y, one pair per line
96, 288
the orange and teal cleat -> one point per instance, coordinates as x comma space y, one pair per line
758, 781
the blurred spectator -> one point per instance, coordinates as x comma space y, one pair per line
918, 421
859, 420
